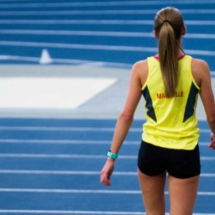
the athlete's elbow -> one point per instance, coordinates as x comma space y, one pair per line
211, 118
127, 117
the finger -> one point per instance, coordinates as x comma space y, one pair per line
108, 180
108, 183
104, 180
212, 145
108, 176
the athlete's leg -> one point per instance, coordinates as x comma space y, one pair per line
184, 171
182, 193
153, 193
152, 177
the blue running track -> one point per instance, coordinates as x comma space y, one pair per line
52, 166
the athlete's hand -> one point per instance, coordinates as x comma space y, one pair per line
107, 172
212, 143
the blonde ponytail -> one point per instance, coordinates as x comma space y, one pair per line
168, 54
168, 26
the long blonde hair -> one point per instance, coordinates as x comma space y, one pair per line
168, 25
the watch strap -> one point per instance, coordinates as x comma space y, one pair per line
112, 155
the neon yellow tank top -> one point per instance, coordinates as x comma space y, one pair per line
171, 122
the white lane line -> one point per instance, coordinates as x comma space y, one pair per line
96, 22
29, 59
67, 61
213, 73
98, 12
82, 46
96, 129
75, 156
38, 128
74, 21
56, 172
60, 172
72, 142
75, 212
98, 33
126, 192
60, 156
20, 190
80, 33
102, 4
81, 212
97, 47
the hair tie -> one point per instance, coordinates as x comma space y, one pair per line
166, 21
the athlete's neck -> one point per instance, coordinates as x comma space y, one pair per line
179, 57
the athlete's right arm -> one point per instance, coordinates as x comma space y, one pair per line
206, 93
125, 119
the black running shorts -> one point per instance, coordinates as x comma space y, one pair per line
154, 160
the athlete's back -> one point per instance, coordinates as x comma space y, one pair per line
171, 122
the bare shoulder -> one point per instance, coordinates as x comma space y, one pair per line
140, 69
199, 65
140, 66
200, 70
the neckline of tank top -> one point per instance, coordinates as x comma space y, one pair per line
179, 58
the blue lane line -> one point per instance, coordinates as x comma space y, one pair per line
71, 202
83, 182
83, 202
100, 123
20, 62
87, 40
49, 7
43, 1
189, 43
196, 29
132, 16
91, 149
79, 54
87, 2
61, 122
79, 164
63, 149
134, 136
